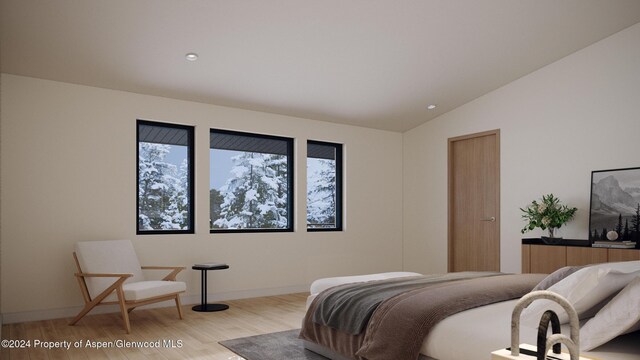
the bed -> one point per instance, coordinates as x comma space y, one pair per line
469, 334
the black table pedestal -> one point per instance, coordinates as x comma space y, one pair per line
204, 307
210, 307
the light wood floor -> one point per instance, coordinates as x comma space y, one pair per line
199, 332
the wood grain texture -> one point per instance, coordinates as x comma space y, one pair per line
547, 259
199, 331
585, 255
474, 195
623, 255
526, 259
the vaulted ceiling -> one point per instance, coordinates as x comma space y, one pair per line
372, 63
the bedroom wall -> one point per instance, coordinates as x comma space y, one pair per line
68, 174
0, 206
557, 125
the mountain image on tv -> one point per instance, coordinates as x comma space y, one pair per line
615, 204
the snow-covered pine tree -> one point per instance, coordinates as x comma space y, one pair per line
255, 197
163, 197
151, 186
176, 215
275, 205
321, 192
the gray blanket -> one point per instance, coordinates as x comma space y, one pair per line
399, 325
349, 307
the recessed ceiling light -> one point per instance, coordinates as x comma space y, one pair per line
191, 56
431, 107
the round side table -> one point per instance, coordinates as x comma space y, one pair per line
204, 307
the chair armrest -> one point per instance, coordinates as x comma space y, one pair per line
171, 276
103, 275
163, 268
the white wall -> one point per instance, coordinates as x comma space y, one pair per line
0, 206
68, 174
579, 114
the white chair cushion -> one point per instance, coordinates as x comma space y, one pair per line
110, 256
148, 289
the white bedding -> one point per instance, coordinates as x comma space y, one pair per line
323, 284
483, 329
488, 328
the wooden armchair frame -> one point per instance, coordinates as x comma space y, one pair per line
125, 306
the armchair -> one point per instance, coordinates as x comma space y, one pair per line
109, 273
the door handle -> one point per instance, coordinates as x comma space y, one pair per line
492, 219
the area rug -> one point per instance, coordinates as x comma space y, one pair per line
283, 345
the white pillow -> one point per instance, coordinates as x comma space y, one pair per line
620, 316
584, 289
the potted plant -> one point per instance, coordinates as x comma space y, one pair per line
548, 214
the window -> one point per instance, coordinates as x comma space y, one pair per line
324, 186
251, 182
165, 178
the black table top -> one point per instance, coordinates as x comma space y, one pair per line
210, 266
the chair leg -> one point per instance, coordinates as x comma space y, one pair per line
123, 310
87, 307
129, 310
179, 306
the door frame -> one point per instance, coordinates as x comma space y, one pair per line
450, 142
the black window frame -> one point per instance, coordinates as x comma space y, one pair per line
290, 182
191, 158
339, 187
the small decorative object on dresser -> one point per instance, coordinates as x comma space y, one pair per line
548, 214
614, 244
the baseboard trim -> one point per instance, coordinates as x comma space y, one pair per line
47, 314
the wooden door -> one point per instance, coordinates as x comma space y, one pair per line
474, 202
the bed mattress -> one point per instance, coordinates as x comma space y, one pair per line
483, 329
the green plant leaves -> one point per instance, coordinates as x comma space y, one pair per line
549, 213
